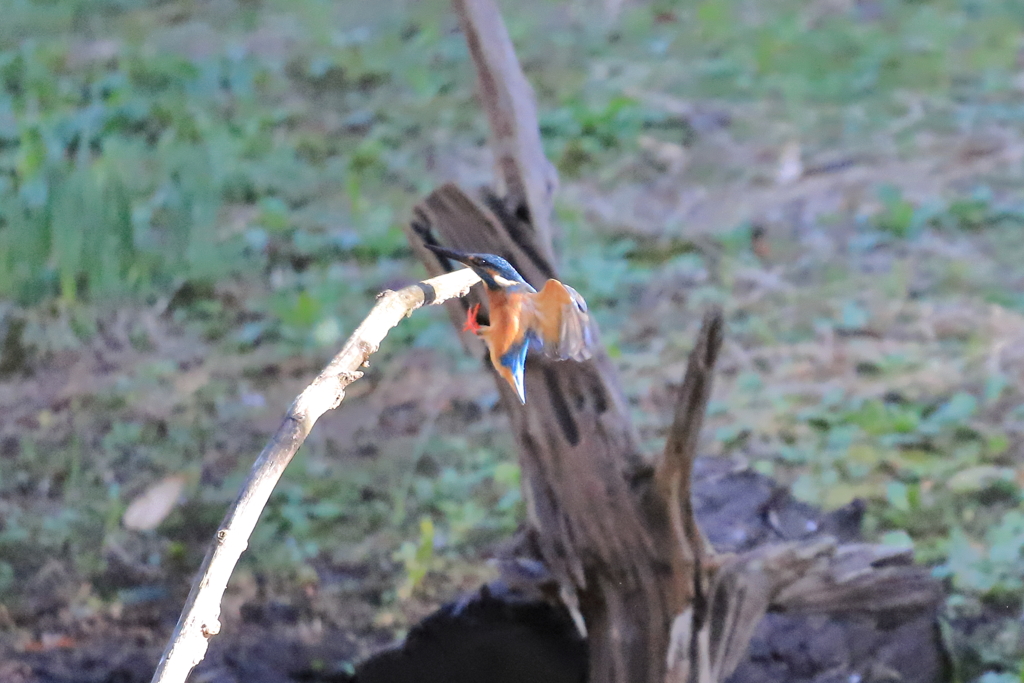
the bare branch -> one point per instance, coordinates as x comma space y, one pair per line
200, 618
673, 472
740, 594
526, 180
673, 475
681, 445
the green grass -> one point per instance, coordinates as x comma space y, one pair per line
220, 189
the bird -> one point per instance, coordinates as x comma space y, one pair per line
554, 320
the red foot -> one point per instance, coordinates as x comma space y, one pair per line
471, 324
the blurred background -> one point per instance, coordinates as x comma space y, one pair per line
199, 200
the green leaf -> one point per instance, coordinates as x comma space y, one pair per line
954, 411
854, 316
31, 154
897, 495
897, 539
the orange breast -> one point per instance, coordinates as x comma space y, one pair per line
504, 330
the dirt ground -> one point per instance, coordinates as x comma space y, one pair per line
872, 367
305, 639
283, 633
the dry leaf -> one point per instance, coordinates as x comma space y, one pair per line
152, 506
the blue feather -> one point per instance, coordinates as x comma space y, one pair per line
515, 360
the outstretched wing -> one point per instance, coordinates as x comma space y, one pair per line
558, 322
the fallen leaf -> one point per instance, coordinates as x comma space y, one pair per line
152, 506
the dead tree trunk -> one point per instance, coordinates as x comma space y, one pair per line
601, 523
614, 526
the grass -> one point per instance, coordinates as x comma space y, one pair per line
199, 201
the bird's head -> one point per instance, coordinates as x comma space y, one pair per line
496, 272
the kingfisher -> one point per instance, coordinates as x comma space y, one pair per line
554, 320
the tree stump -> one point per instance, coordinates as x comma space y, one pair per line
615, 527
513, 633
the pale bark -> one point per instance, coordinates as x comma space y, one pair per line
200, 618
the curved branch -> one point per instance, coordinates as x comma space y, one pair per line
200, 618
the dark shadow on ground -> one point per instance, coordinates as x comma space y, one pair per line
497, 636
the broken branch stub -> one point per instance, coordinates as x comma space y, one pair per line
673, 473
200, 618
673, 476
525, 180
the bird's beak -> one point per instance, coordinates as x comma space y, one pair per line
449, 253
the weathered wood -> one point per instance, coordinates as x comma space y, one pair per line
601, 526
525, 180
771, 578
200, 618
862, 578
619, 534
617, 531
673, 477
877, 641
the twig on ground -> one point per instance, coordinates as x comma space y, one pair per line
200, 618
